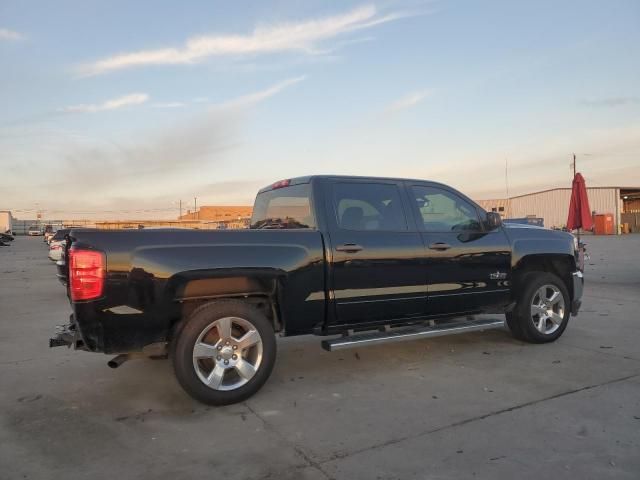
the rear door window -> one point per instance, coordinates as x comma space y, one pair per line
369, 206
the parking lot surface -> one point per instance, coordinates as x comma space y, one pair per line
470, 406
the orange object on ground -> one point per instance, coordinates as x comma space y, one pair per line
603, 224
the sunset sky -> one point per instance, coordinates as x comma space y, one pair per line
121, 109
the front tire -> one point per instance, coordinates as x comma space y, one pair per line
224, 352
542, 308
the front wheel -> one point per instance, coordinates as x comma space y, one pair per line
542, 308
224, 352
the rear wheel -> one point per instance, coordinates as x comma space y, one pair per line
542, 309
224, 352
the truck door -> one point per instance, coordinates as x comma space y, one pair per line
375, 270
467, 266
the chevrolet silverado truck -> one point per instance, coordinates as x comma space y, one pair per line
354, 260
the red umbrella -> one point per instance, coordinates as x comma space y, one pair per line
579, 211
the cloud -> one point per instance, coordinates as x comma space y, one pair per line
244, 101
113, 104
169, 105
303, 36
144, 159
10, 35
409, 101
611, 102
257, 97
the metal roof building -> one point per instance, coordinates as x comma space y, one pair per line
553, 205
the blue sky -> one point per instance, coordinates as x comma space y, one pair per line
121, 109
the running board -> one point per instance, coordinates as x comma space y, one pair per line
409, 333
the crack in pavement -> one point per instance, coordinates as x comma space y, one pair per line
299, 451
16, 362
477, 418
603, 352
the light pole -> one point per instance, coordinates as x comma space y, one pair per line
574, 162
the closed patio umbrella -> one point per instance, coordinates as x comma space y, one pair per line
579, 211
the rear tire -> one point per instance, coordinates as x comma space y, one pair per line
542, 308
224, 352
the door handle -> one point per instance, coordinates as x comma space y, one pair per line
349, 248
439, 246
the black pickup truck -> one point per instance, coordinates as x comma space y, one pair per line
356, 260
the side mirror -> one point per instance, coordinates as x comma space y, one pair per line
493, 221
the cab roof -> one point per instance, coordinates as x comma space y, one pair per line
310, 178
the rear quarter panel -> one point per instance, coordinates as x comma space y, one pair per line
151, 273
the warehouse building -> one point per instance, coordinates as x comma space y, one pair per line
552, 205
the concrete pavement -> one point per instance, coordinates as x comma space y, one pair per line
471, 406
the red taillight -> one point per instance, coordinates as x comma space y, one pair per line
86, 274
281, 184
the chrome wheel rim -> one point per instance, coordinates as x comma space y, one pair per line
227, 354
547, 309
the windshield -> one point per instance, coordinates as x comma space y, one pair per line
283, 208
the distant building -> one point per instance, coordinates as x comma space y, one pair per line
218, 213
206, 218
553, 205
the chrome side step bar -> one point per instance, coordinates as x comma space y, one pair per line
409, 333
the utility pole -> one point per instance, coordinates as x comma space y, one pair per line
195, 207
574, 165
180, 209
506, 184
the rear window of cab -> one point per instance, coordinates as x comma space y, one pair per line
284, 208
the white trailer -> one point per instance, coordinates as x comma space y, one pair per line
6, 224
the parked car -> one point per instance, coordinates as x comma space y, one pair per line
5, 238
34, 231
367, 259
56, 245
55, 250
49, 232
60, 234
61, 238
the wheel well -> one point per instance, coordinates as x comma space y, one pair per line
191, 292
264, 303
560, 265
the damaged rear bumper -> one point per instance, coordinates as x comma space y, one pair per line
68, 336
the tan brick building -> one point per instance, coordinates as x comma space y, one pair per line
217, 213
